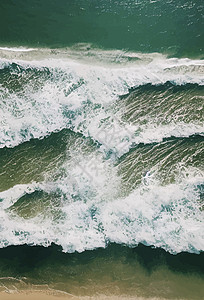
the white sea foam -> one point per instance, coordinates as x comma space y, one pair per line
163, 216
83, 95
12, 195
77, 95
16, 49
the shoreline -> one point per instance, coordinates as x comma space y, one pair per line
33, 294
57, 295
116, 272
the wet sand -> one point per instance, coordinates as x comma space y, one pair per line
34, 295
50, 295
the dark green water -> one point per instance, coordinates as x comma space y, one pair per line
117, 270
102, 147
168, 26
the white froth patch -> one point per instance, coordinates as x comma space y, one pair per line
118, 137
167, 217
163, 216
79, 96
18, 49
12, 195
73, 87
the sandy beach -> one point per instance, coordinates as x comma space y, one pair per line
33, 295
52, 295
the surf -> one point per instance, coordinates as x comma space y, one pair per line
41, 96
104, 146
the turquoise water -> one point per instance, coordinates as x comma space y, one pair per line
101, 147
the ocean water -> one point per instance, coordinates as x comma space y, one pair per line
102, 147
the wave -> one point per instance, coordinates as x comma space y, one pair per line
41, 94
108, 169
152, 195
18, 49
163, 216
